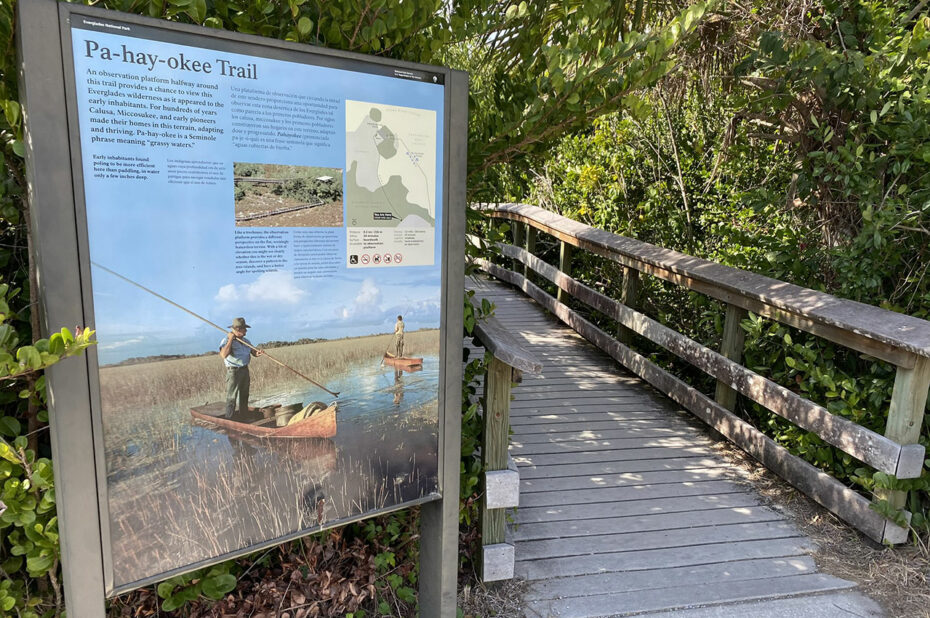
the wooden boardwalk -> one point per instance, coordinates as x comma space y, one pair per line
625, 508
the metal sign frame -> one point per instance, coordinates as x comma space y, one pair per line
59, 232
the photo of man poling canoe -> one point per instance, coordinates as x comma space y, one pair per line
283, 404
315, 420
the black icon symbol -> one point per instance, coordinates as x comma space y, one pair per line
353, 259
376, 259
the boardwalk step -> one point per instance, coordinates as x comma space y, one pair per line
642, 523
675, 504
627, 603
654, 539
830, 605
529, 486
637, 454
630, 581
529, 471
662, 558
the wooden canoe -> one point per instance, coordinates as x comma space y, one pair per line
319, 424
401, 361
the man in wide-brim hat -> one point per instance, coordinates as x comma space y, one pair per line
236, 356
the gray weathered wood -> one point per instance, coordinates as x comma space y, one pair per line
629, 297
519, 231
494, 448
600, 510
530, 245
905, 417
731, 346
597, 527
529, 471
879, 332
679, 596
635, 493
565, 265
586, 585
827, 491
630, 479
864, 444
640, 540
660, 558
504, 346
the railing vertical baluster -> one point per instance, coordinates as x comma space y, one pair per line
731, 346
519, 230
905, 415
629, 297
530, 246
565, 265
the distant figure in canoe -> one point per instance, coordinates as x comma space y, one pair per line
236, 356
399, 336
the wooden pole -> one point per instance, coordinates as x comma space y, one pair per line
905, 415
565, 265
732, 347
629, 297
497, 384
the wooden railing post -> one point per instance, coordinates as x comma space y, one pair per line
905, 415
731, 346
496, 428
501, 480
530, 247
629, 297
565, 265
519, 229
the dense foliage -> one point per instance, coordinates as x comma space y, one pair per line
793, 143
538, 73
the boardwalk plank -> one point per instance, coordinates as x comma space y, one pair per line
627, 603
662, 558
592, 446
544, 484
529, 472
605, 456
584, 585
618, 496
642, 523
545, 549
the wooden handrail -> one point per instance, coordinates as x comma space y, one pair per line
899, 339
890, 336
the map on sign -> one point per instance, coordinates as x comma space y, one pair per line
390, 166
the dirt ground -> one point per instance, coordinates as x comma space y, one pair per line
263, 200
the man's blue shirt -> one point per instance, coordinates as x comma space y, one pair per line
239, 355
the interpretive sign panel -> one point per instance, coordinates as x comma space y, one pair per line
260, 230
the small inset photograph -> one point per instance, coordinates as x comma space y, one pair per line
273, 195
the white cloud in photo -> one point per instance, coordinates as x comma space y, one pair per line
276, 288
367, 303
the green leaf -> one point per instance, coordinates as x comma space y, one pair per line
217, 586
9, 426
304, 26
18, 148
